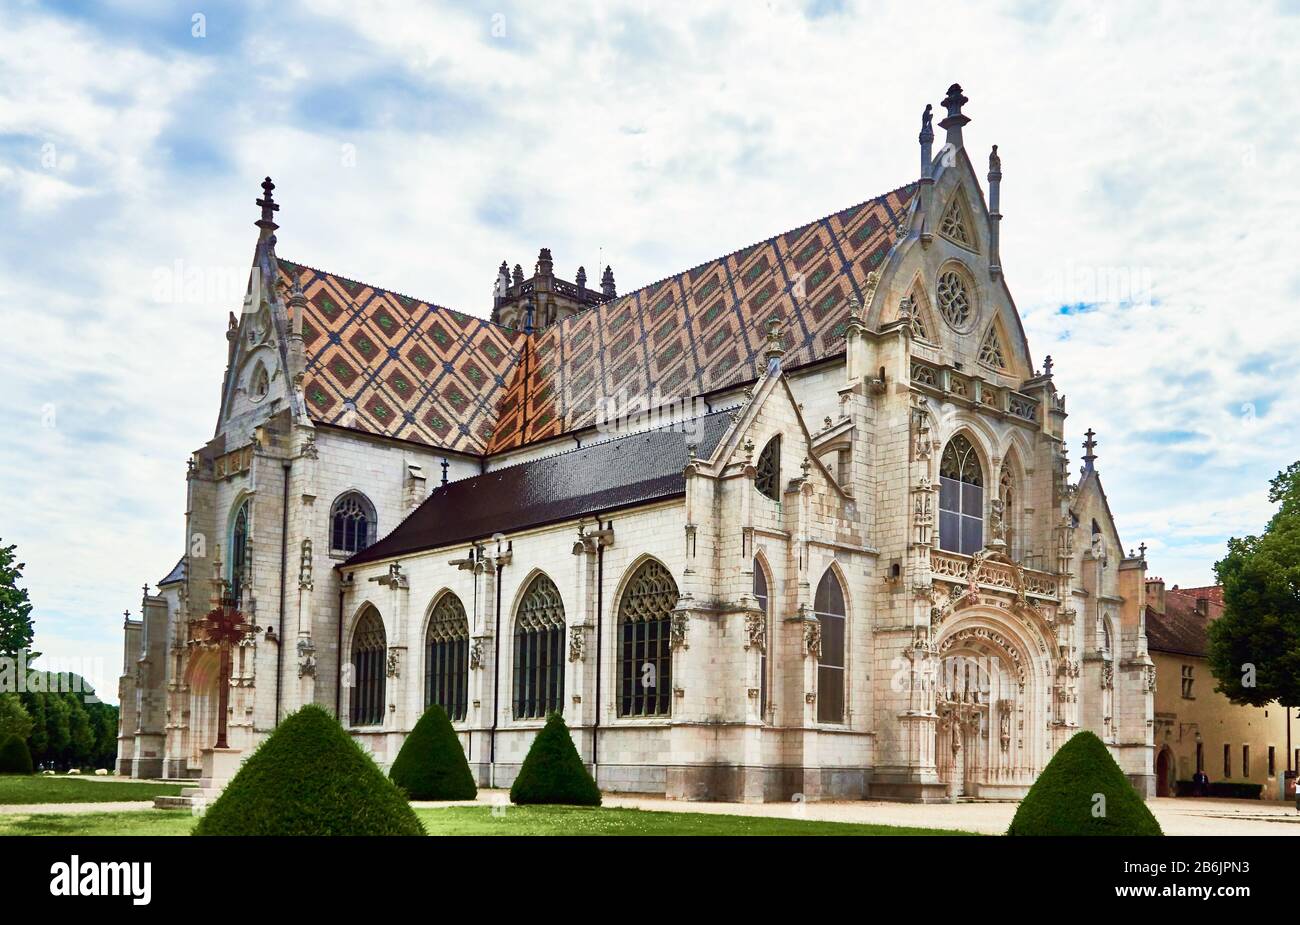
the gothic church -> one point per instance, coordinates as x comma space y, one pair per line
797, 522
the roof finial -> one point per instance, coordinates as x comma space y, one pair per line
445, 464
995, 212
1048, 363
545, 266
1089, 457
517, 279
269, 208
926, 138
607, 283
953, 102
775, 348
581, 278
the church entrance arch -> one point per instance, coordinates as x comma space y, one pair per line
991, 697
203, 676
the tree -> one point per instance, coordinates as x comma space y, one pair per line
552, 772
16, 631
309, 778
431, 764
14, 718
1254, 647
1082, 791
14, 756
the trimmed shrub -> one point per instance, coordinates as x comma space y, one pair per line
553, 772
431, 764
310, 778
1082, 791
14, 757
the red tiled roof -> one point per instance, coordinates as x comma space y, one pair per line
1181, 628
703, 329
388, 364
410, 369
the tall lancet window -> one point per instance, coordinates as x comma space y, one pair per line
828, 605
239, 551
761, 594
369, 670
645, 629
961, 498
539, 651
446, 657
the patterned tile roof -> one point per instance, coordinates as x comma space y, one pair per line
410, 369
1181, 628
421, 372
703, 329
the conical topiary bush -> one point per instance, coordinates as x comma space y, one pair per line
310, 778
15, 758
1082, 791
552, 772
431, 764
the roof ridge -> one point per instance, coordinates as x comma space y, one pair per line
725, 409
403, 295
770, 238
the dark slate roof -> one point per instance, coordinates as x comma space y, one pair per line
176, 574
618, 473
1181, 628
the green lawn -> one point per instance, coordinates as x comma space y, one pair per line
21, 789
480, 820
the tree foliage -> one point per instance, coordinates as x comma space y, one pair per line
1082, 791
553, 772
70, 727
1254, 647
310, 778
431, 764
16, 630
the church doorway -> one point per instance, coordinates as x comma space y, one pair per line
1164, 763
204, 700
991, 706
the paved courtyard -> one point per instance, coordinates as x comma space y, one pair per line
1176, 817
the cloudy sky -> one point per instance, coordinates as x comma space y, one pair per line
1150, 234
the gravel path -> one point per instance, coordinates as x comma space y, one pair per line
39, 809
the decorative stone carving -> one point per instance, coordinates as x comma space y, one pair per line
1107, 676
756, 631
677, 630
306, 657
577, 643
394, 663
476, 655
812, 639
304, 566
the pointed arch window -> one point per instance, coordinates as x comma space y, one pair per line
352, 523
369, 670
767, 477
261, 383
446, 657
539, 650
991, 353
828, 605
239, 551
953, 225
645, 652
761, 595
911, 306
1007, 495
961, 498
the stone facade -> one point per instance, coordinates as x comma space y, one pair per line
950, 673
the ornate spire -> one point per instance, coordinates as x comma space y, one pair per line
1089, 457
1048, 363
607, 283
545, 266
995, 212
269, 208
581, 278
518, 278
953, 123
